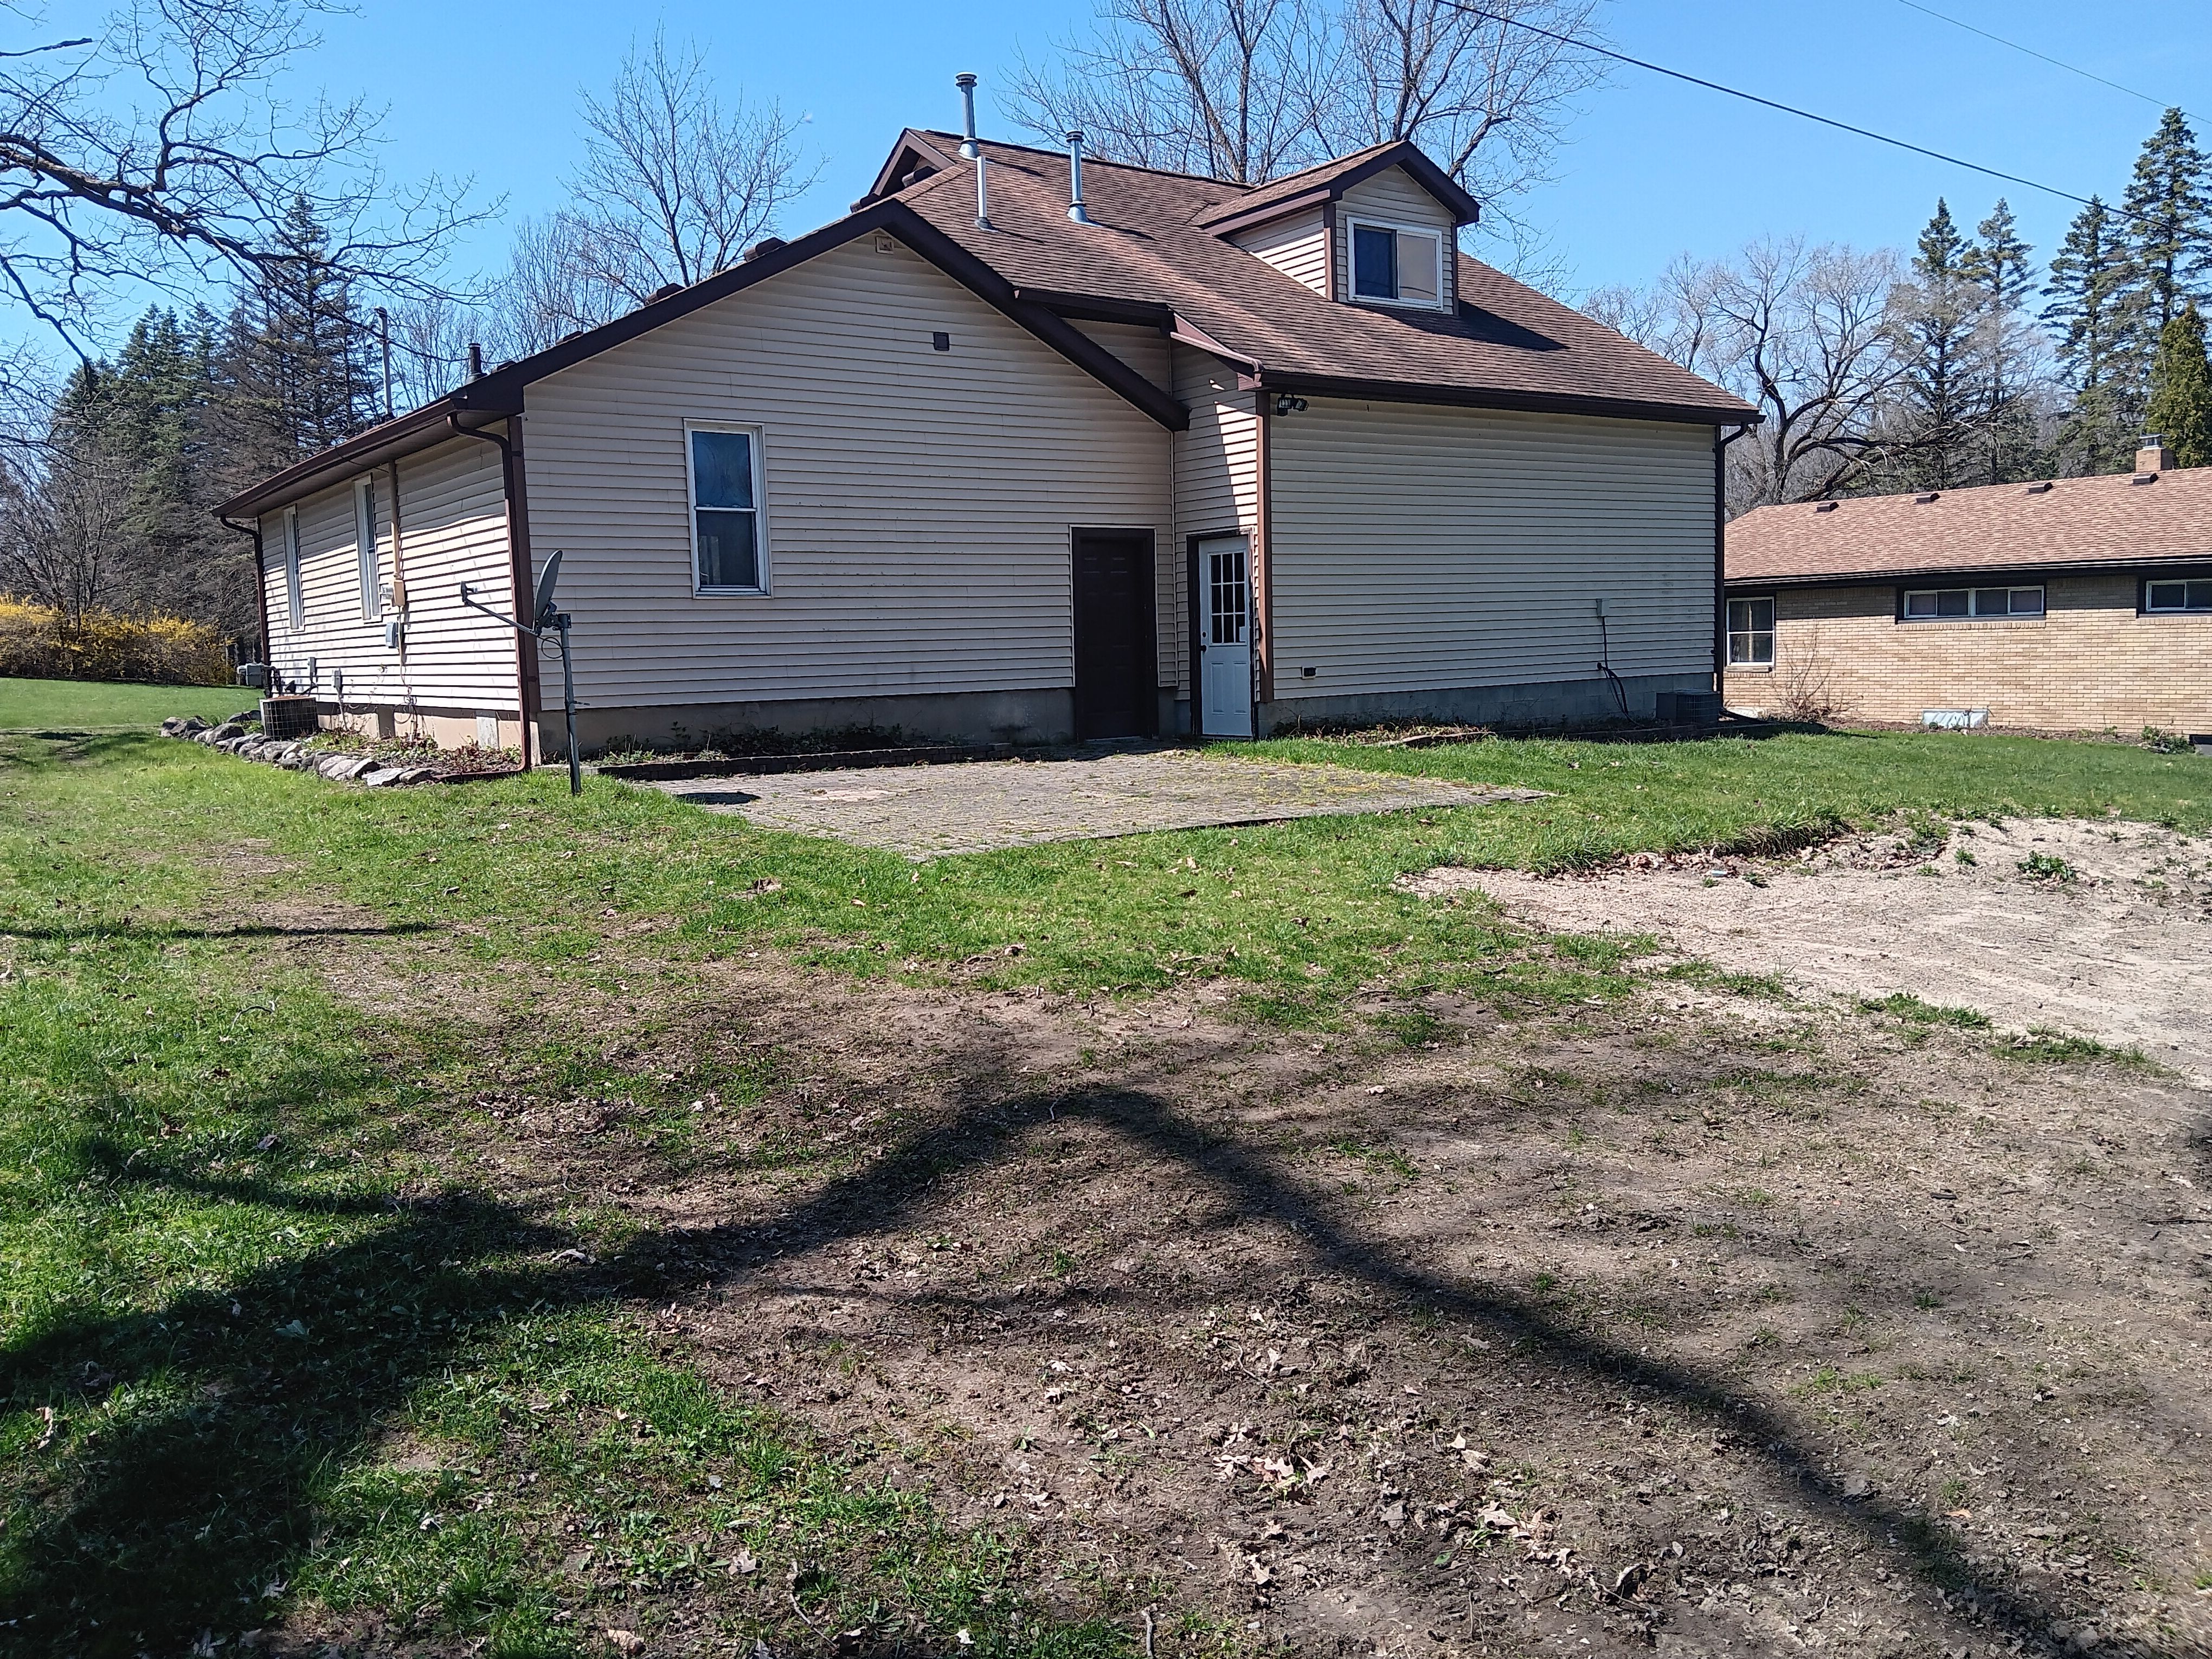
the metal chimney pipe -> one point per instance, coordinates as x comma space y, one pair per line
1075, 177
968, 149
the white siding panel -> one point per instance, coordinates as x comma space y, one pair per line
918, 504
1392, 198
1217, 485
1297, 246
1420, 547
452, 523
1145, 350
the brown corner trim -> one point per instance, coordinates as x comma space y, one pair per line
1263, 560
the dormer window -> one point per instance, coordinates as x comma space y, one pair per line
1396, 266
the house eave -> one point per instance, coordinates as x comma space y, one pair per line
1968, 574
1474, 397
411, 434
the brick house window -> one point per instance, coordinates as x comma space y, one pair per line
1751, 632
2168, 596
1947, 604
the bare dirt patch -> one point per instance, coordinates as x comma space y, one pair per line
1704, 1326
925, 811
2111, 941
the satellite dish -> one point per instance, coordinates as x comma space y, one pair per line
548, 579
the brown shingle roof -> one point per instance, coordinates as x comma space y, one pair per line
1509, 346
2077, 523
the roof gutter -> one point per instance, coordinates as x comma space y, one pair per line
1957, 573
1542, 403
1720, 553
526, 699
260, 588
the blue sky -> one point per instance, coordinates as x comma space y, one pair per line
1652, 167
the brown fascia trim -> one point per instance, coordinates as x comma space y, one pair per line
501, 390
499, 395
1465, 210
1099, 307
1184, 331
1539, 402
2147, 562
914, 140
416, 430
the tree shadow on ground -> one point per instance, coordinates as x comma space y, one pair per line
162, 1525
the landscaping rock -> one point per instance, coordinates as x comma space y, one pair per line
182, 725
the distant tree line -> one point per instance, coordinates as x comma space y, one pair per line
1962, 363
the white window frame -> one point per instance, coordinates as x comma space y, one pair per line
1434, 232
699, 590
295, 607
2043, 606
1772, 631
2185, 609
364, 548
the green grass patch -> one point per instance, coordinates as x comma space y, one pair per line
1903, 1005
94, 705
2044, 1045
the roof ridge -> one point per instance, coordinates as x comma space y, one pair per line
1092, 159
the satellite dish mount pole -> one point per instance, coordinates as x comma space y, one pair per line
557, 622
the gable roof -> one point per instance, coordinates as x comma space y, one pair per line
2071, 524
1156, 240
1157, 253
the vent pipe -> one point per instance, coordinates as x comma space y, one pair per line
476, 361
969, 151
1075, 177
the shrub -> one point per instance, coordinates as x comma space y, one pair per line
39, 643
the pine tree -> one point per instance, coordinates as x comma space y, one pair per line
2089, 312
1998, 265
2180, 405
312, 371
1941, 413
2168, 209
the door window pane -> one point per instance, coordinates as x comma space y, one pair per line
1225, 580
725, 509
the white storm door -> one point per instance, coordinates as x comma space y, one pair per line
1224, 638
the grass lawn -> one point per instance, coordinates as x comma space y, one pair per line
95, 706
278, 1349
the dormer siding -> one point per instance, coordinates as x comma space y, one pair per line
1297, 246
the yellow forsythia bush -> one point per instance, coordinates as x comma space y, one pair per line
35, 643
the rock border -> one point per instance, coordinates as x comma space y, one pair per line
235, 737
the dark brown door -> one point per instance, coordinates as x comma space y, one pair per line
1114, 666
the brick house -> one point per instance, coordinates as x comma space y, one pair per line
2080, 604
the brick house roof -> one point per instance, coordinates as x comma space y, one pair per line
1990, 530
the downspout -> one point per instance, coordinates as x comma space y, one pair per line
1263, 562
260, 598
518, 562
1720, 555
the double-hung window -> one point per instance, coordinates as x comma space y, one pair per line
364, 538
1751, 632
2172, 597
1397, 267
294, 608
1943, 604
729, 544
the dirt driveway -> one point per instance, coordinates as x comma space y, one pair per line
2113, 942
926, 812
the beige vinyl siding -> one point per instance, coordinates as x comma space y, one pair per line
1297, 246
1217, 484
1419, 548
1392, 198
453, 521
918, 503
1145, 350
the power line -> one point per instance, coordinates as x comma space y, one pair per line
1944, 17
1787, 109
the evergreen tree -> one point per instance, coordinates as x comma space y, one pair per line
2089, 312
2168, 209
2180, 405
1940, 414
1998, 265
